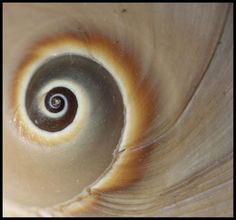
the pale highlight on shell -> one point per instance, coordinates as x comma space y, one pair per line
173, 65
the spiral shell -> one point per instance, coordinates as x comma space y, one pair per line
124, 113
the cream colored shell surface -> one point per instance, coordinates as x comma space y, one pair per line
173, 65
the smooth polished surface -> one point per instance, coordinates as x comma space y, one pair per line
186, 151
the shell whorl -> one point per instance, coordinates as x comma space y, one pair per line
123, 113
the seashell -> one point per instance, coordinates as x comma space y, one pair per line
118, 109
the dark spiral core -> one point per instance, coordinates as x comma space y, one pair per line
54, 103
104, 95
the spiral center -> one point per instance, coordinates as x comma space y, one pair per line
56, 102
56, 99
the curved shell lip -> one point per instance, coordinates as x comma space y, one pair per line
126, 167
